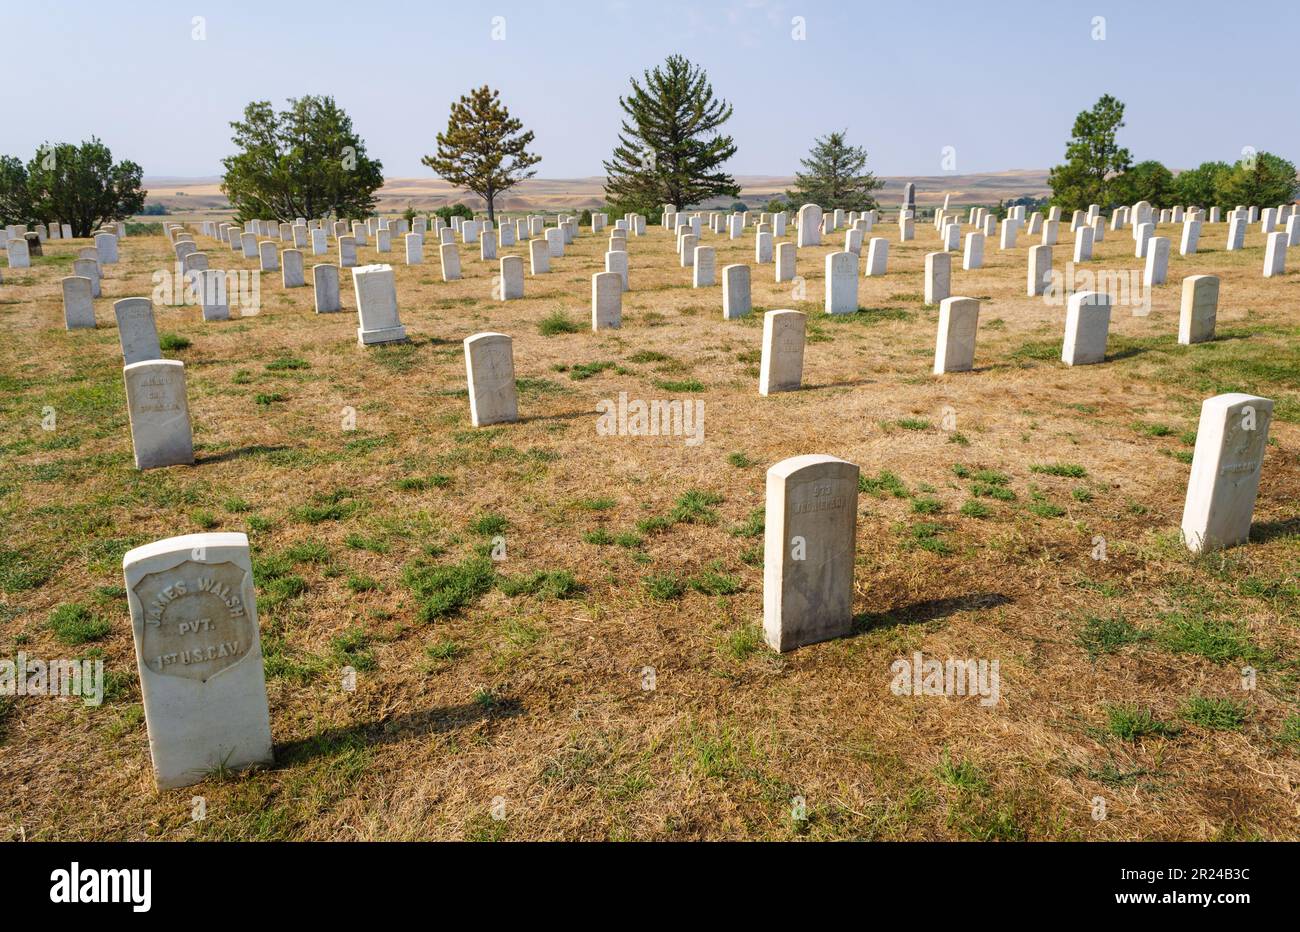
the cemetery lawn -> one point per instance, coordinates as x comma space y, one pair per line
637, 561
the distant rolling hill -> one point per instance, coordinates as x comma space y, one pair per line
202, 196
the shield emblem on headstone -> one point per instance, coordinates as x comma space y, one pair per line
195, 620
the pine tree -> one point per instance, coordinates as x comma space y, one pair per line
836, 176
670, 150
484, 150
1092, 158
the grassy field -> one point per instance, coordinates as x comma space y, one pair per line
522, 681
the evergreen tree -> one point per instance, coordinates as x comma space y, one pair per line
485, 149
82, 186
1092, 158
304, 162
670, 150
835, 176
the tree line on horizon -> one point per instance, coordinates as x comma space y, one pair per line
1097, 170
308, 160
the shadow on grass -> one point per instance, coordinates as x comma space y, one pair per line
332, 741
928, 610
256, 449
1264, 531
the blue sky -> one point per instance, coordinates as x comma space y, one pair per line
1000, 82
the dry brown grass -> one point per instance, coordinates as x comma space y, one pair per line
542, 705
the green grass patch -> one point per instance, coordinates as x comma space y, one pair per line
1214, 714
76, 624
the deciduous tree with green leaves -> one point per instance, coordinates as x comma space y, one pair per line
1261, 180
836, 176
15, 200
1093, 158
1146, 181
485, 149
670, 149
78, 185
306, 161
1200, 186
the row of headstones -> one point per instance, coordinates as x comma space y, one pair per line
20, 249
379, 321
52, 230
194, 611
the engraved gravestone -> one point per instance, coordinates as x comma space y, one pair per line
159, 413
808, 550
268, 256
292, 273
199, 656
841, 283
785, 262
